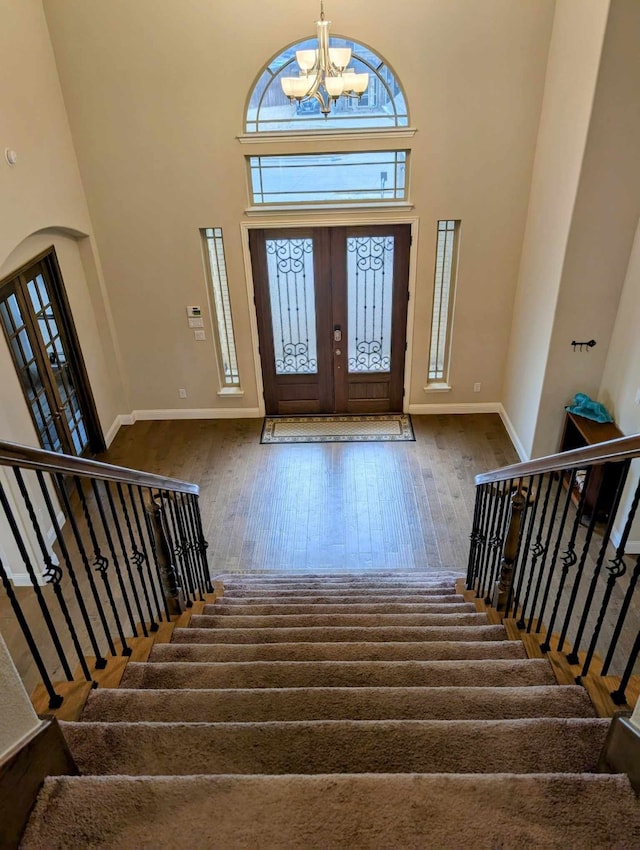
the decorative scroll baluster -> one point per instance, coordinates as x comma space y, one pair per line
181, 553
573, 657
145, 560
616, 569
472, 565
53, 576
101, 564
547, 547
502, 588
173, 595
194, 543
42, 602
494, 494
194, 509
151, 534
497, 540
117, 524
532, 493
537, 549
100, 661
569, 559
138, 559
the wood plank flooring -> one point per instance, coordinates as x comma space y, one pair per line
326, 506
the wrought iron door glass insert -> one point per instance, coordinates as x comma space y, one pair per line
292, 297
370, 288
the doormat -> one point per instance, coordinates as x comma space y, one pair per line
382, 427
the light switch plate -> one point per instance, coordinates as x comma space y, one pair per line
199, 335
196, 323
194, 312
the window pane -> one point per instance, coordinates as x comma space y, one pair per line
370, 292
222, 306
292, 298
382, 105
316, 178
443, 293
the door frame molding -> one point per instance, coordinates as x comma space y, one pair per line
316, 221
50, 258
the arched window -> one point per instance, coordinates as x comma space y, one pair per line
382, 106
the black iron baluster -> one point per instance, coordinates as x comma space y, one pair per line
616, 570
481, 536
55, 700
577, 580
102, 565
152, 545
569, 558
137, 557
114, 558
471, 564
53, 572
167, 573
558, 542
194, 506
193, 543
117, 524
179, 547
547, 547
145, 542
199, 544
618, 696
494, 499
572, 657
100, 662
497, 540
87, 567
520, 567
624, 610
537, 549
42, 602
519, 561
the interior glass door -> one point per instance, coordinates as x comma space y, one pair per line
41, 353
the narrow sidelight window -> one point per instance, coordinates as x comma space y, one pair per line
222, 306
443, 301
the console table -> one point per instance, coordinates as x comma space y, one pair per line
578, 432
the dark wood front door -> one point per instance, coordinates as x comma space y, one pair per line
39, 330
332, 316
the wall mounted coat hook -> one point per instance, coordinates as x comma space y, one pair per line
582, 345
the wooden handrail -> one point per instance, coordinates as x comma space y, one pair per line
26, 457
612, 451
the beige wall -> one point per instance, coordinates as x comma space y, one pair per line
621, 377
603, 226
155, 94
574, 60
18, 717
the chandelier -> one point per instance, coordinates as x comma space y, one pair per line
324, 73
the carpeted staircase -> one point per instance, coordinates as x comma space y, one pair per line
341, 711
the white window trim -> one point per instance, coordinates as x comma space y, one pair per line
266, 138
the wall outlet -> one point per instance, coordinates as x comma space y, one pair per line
182, 393
476, 387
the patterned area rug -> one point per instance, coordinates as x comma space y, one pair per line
384, 427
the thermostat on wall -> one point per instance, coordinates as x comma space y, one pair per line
194, 312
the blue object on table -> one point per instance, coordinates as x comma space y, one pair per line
590, 409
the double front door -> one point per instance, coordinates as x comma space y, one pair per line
331, 305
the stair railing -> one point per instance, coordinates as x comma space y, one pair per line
91, 555
554, 560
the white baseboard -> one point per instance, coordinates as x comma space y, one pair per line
118, 422
513, 435
23, 580
433, 409
199, 413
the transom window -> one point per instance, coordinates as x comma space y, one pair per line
383, 105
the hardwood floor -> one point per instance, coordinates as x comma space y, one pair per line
326, 506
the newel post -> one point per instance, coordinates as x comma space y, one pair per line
166, 568
502, 587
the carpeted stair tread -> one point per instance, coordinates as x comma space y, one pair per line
310, 674
339, 634
220, 609
292, 589
541, 745
328, 594
268, 704
368, 812
276, 621
382, 651
342, 599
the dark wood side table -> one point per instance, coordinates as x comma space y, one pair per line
579, 431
